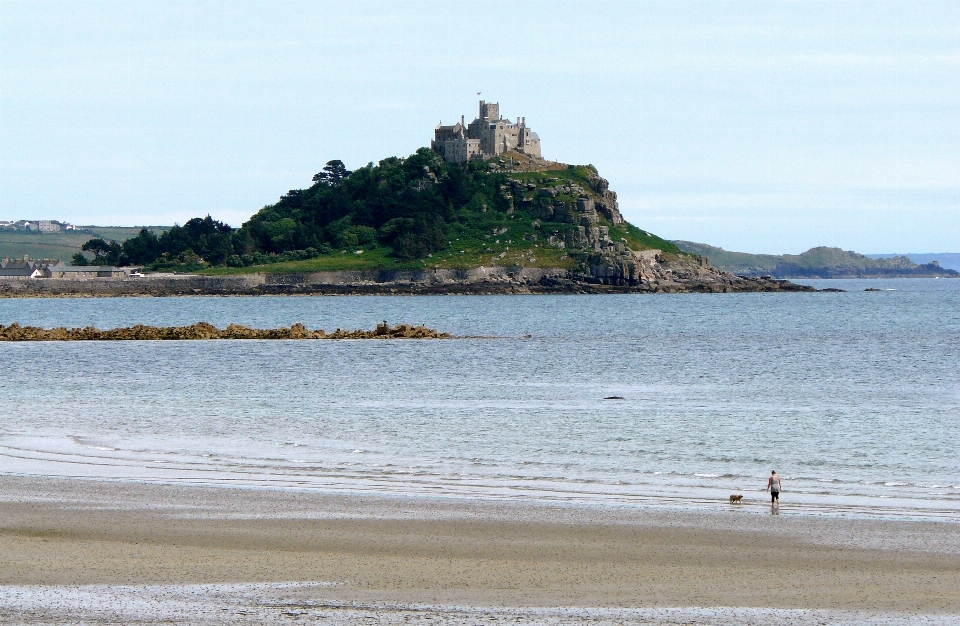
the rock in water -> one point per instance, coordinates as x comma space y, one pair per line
203, 330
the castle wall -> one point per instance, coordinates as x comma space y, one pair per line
499, 137
473, 149
458, 150
529, 143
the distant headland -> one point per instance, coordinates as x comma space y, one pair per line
819, 262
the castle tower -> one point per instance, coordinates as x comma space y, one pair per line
489, 111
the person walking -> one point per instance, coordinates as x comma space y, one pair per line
773, 486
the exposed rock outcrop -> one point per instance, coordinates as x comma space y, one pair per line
568, 203
203, 330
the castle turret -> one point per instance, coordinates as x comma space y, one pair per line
489, 111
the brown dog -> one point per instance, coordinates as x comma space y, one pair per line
736, 498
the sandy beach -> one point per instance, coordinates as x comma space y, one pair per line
401, 551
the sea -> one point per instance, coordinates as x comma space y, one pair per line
669, 400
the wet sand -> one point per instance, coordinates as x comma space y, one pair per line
447, 552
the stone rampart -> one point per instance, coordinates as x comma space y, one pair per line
363, 281
640, 273
146, 286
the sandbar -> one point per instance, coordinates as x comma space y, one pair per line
374, 549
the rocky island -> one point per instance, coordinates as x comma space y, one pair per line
480, 211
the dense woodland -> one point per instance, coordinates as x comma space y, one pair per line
405, 205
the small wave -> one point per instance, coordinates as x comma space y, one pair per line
359, 451
895, 484
707, 475
106, 448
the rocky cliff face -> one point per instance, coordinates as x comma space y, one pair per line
567, 202
579, 218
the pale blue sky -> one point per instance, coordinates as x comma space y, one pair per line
755, 126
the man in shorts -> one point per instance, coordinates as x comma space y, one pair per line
773, 486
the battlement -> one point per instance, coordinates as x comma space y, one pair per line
485, 137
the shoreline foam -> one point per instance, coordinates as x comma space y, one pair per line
307, 469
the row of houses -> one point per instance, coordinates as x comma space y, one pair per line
43, 226
45, 268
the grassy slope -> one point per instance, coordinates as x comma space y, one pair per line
376, 258
62, 245
726, 259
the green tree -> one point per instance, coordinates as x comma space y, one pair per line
334, 173
104, 252
142, 249
206, 238
407, 204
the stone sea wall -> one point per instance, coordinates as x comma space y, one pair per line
651, 274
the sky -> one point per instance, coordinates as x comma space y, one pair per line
765, 127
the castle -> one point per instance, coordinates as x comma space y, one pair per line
485, 137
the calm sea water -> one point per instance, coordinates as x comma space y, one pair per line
852, 397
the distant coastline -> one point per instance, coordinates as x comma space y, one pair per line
949, 260
822, 262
